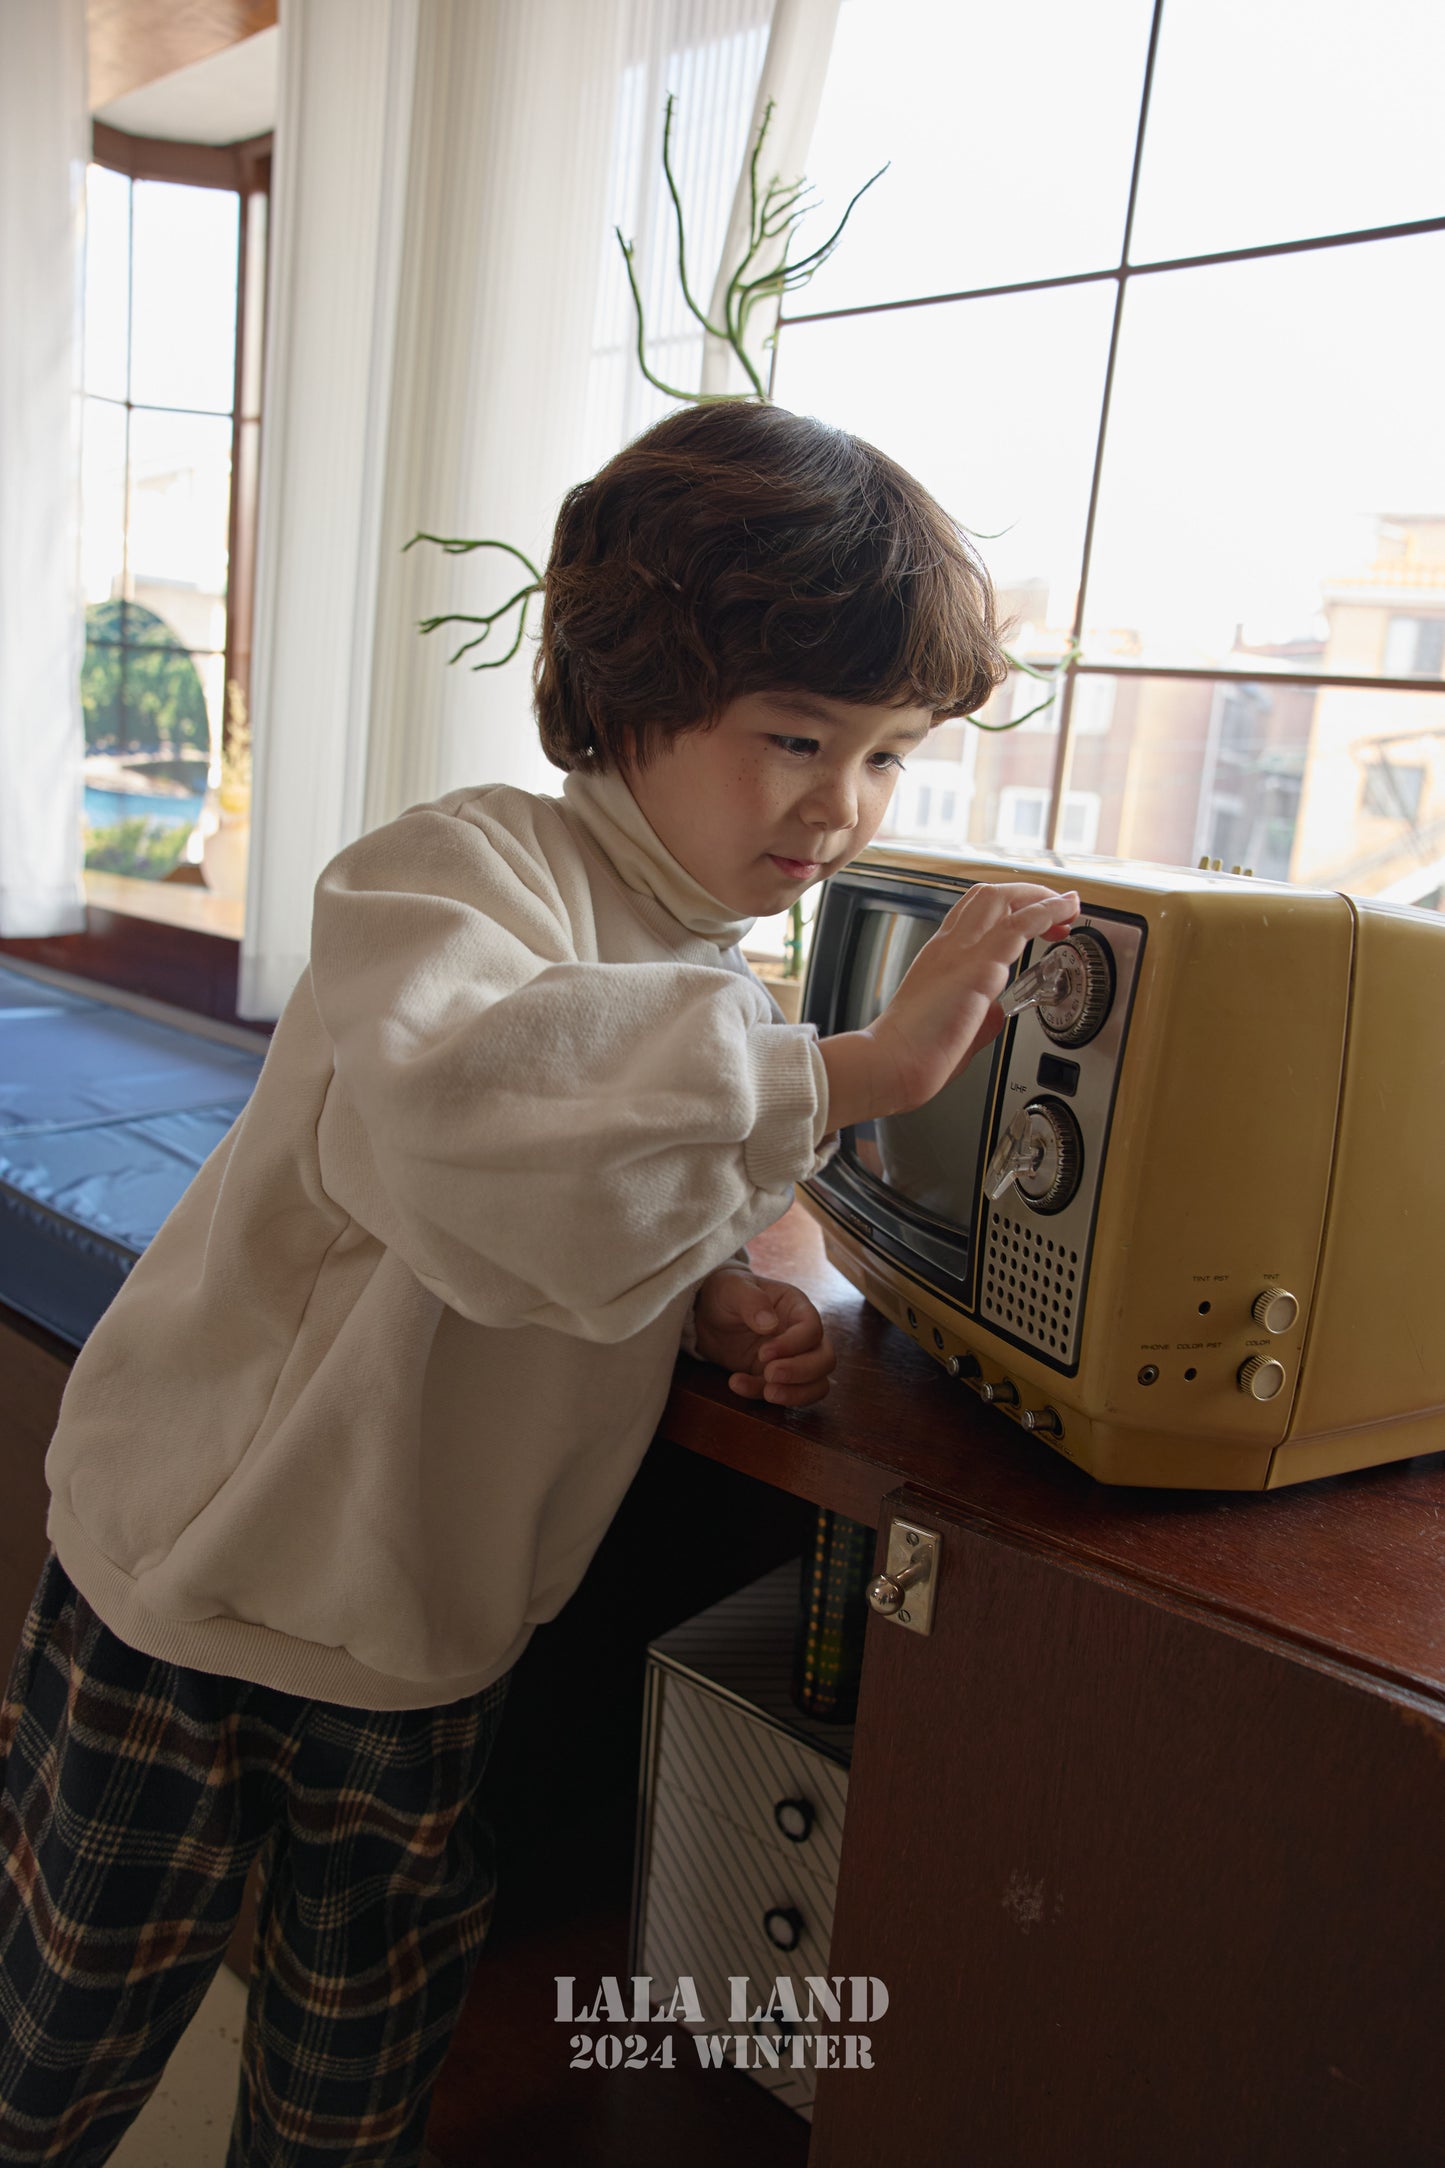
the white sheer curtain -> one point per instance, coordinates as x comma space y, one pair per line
450, 347
44, 127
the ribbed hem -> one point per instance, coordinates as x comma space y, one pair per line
235, 1649
791, 1083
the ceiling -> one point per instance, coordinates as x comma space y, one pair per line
228, 98
132, 43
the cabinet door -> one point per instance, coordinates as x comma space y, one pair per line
1143, 1885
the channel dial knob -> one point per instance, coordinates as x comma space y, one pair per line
1074, 1007
1041, 1153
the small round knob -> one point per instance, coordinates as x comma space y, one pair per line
889, 1592
1261, 1377
1001, 1394
1043, 1420
962, 1366
795, 1819
783, 1926
1276, 1309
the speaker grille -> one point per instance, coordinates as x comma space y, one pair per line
1031, 1284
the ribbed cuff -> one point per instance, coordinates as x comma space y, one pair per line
791, 1086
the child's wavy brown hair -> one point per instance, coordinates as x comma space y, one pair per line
737, 548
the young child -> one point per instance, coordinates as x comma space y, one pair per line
364, 1409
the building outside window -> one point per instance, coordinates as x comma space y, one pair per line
1023, 818
1415, 646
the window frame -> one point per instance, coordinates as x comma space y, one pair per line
193, 966
1120, 274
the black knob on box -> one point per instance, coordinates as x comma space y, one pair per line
795, 1819
783, 1926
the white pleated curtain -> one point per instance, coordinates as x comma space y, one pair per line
450, 347
44, 135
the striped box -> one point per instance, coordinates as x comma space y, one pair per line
740, 1819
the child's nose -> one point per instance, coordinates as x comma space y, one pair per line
832, 801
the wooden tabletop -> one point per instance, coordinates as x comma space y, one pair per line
1352, 1567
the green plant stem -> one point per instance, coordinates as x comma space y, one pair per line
772, 216
1053, 678
702, 318
459, 545
672, 391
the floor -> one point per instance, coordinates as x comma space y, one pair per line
187, 2120
511, 2094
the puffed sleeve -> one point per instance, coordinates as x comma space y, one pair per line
544, 1139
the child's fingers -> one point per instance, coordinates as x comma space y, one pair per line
1007, 938
806, 1333
1042, 913
987, 902
746, 1387
807, 1369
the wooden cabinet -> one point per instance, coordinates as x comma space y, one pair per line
1144, 1837
34, 1367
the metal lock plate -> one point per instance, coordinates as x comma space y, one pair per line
910, 1548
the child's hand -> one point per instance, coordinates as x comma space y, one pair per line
767, 1333
945, 1007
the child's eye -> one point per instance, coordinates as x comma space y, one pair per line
888, 760
801, 746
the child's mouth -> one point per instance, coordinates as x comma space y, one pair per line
795, 869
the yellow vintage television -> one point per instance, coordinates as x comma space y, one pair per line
1185, 1220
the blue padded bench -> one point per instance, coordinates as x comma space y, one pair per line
105, 1115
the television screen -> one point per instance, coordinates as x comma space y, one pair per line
929, 1156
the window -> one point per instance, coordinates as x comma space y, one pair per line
1392, 791
170, 455
1414, 646
1023, 819
1178, 406
927, 804
174, 279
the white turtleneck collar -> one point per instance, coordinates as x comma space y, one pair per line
616, 822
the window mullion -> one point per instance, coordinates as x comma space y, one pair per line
1066, 696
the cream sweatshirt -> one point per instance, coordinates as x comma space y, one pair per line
365, 1407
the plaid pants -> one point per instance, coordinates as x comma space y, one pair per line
136, 1795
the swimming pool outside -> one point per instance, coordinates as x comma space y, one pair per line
103, 808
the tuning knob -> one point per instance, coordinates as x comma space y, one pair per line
1071, 985
1276, 1309
1001, 1393
1042, 1152
1261, 1377
1075, 1014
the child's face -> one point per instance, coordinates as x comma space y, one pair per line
783, 790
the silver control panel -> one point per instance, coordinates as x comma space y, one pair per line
1070, 1003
